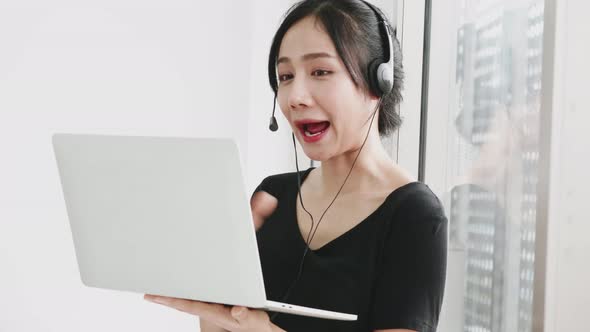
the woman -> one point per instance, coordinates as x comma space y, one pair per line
380, 252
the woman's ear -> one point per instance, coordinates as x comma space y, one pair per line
369, 95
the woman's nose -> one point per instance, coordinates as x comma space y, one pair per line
299, 96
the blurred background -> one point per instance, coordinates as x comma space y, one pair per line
494, 123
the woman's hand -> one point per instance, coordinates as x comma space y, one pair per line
234, 319
262, 205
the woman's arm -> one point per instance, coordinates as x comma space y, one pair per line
209, 327
276, 328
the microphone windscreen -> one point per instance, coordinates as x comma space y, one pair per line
273, 126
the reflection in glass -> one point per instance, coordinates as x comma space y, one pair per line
494, 158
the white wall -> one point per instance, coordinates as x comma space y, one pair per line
174, 68
567, 292
268, 152
410, 23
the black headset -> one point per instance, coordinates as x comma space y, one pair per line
381, 74
381, 78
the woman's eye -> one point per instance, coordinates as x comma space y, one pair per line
320, 72
285, 77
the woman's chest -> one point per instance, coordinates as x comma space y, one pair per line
321, 223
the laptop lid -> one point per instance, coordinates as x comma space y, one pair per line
161, 215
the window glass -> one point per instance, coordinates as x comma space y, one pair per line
493, 152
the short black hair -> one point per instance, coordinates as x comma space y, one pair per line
354, 30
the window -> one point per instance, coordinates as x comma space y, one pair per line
487, 135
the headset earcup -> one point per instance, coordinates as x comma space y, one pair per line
373, 77
385, 78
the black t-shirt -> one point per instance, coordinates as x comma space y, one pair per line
389, 269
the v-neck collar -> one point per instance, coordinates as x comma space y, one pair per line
294, 197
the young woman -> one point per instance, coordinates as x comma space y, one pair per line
357, 235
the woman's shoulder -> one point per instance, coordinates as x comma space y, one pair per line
415, 201
415, 214
282, 177
275, 184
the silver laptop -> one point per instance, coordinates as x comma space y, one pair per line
165, 216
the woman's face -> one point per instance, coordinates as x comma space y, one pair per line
327, 112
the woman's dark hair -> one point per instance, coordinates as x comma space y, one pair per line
354, 30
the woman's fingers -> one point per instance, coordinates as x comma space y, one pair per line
247, 318
237, 318
215, 313
180, 304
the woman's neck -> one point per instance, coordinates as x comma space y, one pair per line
373, 169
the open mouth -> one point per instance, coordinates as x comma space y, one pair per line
314, 129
